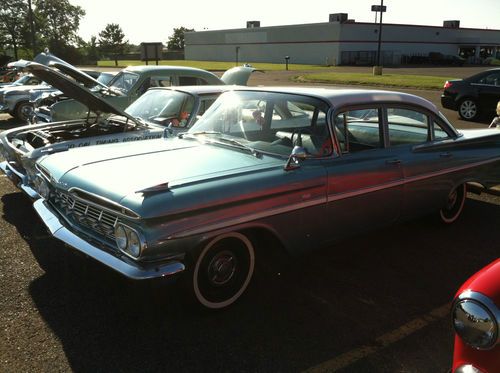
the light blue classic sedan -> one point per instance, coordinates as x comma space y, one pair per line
306, 166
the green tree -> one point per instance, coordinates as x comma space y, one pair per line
58, 22
13, 23
112, 40
176, 41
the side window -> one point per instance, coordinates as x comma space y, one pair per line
305, 122
358, 130
407, 126
191, 80
205, 103
439, 132
161, 81
491, 79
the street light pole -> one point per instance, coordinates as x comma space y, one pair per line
32, 28
380, 32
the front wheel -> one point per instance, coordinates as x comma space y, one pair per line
23, 111
454, 204
223, 270
468, 109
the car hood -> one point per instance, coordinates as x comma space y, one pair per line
48, 59
123, 173
74, 90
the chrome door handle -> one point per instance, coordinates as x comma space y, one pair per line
393, 161
445, 155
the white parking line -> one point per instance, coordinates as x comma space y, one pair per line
385, 340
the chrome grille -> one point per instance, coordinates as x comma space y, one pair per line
88, 215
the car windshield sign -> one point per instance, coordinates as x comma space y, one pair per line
268, 122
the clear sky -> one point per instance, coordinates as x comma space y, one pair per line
154, 20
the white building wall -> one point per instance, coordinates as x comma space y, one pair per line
304, 44
328, 43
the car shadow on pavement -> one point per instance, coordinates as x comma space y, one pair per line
317, 307
10, 122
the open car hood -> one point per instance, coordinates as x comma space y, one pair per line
49, 59
78, 75
74, 90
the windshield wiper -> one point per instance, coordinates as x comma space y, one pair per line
239, 145
194, 134
222, 141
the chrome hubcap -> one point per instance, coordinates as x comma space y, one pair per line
452, 199
468, 109
222, 268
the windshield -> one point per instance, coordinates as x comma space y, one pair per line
123, 81
163, 106
23, 80
105, 78
268, 122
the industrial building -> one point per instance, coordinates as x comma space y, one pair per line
342, 42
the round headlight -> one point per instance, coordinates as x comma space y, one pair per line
475, 324
43, 187
121, 237
134, 244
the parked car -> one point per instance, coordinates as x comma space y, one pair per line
131, 82
474, 95
26, 79
306, 166
41, 101
177, 108
476, 320
15, 99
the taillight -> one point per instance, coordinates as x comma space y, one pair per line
447, 85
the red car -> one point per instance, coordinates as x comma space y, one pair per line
476, 318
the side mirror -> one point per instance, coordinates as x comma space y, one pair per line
298, 154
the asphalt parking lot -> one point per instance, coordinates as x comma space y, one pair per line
376, 303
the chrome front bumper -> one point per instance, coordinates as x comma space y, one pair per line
19, 179
127, 268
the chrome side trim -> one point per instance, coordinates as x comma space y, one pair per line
318, 201
130, 270
248, 218
338, 196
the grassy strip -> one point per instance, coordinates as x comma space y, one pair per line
386, 80
214, 65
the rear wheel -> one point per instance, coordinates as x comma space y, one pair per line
468, 109
454, 205
222, 270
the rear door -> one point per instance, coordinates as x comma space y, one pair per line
488, 90
412, 132
365, 181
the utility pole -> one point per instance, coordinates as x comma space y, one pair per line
380, 31
377, 69
32, 28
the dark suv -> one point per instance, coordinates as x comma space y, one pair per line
474, 95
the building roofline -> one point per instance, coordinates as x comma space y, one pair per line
341, 24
